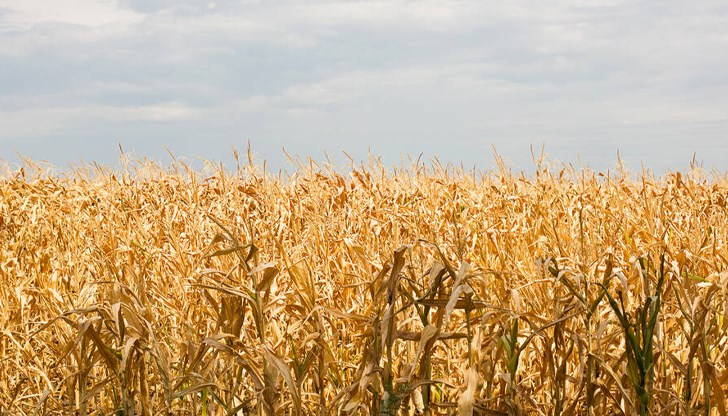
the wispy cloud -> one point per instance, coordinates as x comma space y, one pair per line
89, 13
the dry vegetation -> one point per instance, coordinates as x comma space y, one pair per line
426, 290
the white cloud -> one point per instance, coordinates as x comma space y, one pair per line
50, 120
162, 112
92, 13
401, 74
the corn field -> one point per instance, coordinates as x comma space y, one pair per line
418, 290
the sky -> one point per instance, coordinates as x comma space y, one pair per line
450, 80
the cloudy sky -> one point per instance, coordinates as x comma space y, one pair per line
447, 79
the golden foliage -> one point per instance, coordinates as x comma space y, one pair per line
167, 291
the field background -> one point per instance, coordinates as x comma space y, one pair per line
425, 289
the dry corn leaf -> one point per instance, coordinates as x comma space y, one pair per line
285, 371
466, 402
